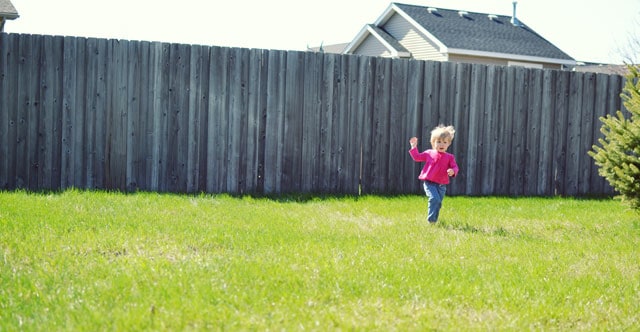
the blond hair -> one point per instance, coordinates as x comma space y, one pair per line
442, 132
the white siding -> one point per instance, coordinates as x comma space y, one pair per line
414, 41
371, 46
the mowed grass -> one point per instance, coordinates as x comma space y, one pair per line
93, 261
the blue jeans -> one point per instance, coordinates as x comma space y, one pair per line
435, 192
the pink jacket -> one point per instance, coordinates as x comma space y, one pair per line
435, 165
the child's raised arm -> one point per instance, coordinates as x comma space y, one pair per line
413, 141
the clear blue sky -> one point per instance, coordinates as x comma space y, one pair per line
588, 30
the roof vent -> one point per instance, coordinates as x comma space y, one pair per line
514, 19
464, 14
492, 17
432, 10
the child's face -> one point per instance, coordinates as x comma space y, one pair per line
441, 144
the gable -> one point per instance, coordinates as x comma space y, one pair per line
7, 10
422, 46
373, 40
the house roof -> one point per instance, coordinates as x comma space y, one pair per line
476, 34
333, 48
7, 10
602, 68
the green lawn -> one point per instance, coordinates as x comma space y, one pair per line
94, 261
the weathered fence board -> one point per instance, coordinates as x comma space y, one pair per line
546, 142
127, 115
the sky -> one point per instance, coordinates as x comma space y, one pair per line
587, 30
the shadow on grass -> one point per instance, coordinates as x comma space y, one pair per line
467, 228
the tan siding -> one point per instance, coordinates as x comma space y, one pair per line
414, 41
495, 61
477, 59
371, 46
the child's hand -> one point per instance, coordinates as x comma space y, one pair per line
451, 172
413, 141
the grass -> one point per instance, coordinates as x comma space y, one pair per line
87, 261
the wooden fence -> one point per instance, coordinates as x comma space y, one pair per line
130, 115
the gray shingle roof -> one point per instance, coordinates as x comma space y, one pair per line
7, 10
476, 32
332, 48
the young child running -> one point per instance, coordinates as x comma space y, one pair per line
438, 167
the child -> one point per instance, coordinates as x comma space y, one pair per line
438, 167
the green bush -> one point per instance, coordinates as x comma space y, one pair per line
618, 156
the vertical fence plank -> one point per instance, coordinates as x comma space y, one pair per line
518, 131
236, 114
155, 115
78, 116
140, 124
101, 113
293, 115
588, 113
367, 81
351, 180
342, 136
196, 140
255, 121
434, 90
135, 137
20, 123
415, 107
379, 158
460, 120
69, 89
5, 53
447, 96
396, 127
474, 150
178, 116
491, 132
310, 126
502, 169
26, 167
573, 133
274, 139
49, 55
13, 109
165, 117
533, 99
546, 144
117, 108
216, 115
192, 145
25, 112
202, 100
90, 123
261, 99
332, 121
560, 132
34, 115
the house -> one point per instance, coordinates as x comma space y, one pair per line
7, 12
333, 48
601, 68
438, 34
